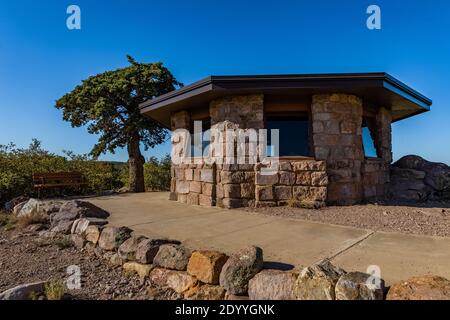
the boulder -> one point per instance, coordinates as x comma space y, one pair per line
207, 265
172, 256
205, 292
23, 292
359, 286
421, 288
240, 268
46, 234
37, 207
158, 276
80, 225
142, 270
148, 248
112, 237
180, 281
114, 259
18, 208
127, 250
229, 296
10, 205
318, 282
77, 241
272, 285
436, 175
83, 209
92, 234
63, 226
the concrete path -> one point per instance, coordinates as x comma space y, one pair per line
289, 241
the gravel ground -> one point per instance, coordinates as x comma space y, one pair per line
431, 219
25, 258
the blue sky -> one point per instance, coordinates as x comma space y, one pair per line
40, 59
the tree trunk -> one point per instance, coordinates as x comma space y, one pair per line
135, 165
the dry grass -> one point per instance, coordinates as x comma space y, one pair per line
55, 290
30, 219
8, 221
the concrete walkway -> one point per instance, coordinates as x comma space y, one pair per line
290, 241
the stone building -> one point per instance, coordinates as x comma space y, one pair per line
334, 136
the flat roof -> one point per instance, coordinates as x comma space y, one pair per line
378, 89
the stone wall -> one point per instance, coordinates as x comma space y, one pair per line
375, 174
337, 120
339, 175
194, 184
299, 183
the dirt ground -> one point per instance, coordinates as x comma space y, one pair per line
25, 258
432, 218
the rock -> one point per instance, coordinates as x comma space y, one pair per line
172, 256
115, 259
78, 241
23, 291
47, 234
180, 281
80, 225
36, 227
10, 205
92, 234
229, 296
112, 237
421, 288
63, 216
158, 276
206, 265
37, 207
18, 208
272, 285
437, 175
148, 248
205, 292
63, 226
240, 268
127, 250
359, 286
318, 281
142, 270
83, 209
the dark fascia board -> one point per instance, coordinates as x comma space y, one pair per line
316, 82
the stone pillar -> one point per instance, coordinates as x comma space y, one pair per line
383, 139
178, 120
337, 120
235, 183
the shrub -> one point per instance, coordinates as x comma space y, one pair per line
35, 218
55, 290
18, 165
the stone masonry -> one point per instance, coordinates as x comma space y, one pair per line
338, 174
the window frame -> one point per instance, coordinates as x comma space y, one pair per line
303, 113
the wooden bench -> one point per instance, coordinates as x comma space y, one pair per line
58, 180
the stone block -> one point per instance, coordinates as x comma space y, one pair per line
206, 265
207, 175
232, 190
247, 190
287, 178
282, 193
193, 199
303, 178
195, 186
265, 179
182, 187
319, 178
264, 193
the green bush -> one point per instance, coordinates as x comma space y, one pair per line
18, 165
157, 174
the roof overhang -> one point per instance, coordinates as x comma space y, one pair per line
377, 89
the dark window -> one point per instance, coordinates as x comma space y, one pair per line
206, 126
368, 143
293, 134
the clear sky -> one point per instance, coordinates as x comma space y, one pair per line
40, 59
